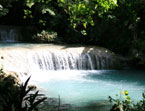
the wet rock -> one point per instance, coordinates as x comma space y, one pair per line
13, 75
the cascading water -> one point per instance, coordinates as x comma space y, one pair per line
9, 34
62, 60
52, 58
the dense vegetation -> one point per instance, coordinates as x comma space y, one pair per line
18, 97
117, 25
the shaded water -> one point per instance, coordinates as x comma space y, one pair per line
9, 34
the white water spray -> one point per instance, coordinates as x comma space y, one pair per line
52, 58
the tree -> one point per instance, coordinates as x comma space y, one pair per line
80, 12
83, 12
4, 5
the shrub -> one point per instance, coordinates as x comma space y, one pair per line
140, 106
124, 103
45, 36
15, 97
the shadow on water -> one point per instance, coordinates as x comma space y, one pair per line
52, 104
99, 105
127, 76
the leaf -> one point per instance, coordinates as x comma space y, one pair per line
128, 97
30, 4
115, 2
69, 7
126, 92
33, 97
62, 1
26, 83
51, 12
84, 32
31, 16
33, 102
85, 25
23, 89
1, 7
79, 6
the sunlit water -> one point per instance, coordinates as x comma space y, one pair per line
83, 87
76, 87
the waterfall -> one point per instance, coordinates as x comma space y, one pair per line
9, 34
62, 61
27, 59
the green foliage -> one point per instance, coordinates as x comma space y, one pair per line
4, 6
27, 13
51, 12
41, 7
45, 36
124, 103
140, 106
82, 12
15, 97
3, 11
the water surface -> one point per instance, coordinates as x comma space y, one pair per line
80, 87
77, 87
